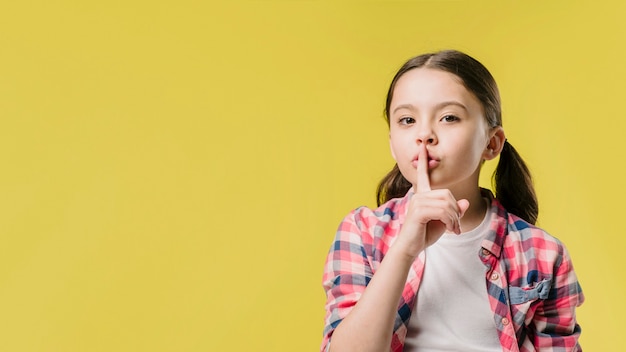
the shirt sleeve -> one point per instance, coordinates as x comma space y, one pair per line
554, 322
346, 273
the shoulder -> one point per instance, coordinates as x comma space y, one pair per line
375, 227
528, 242
368, 218
532, 256
530, 235
385, 213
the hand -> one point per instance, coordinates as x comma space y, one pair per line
430, 212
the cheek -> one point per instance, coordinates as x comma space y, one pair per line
393, 145
393, 148
477, 141
477, 150
397, 146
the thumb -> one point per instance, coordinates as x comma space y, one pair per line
463, 206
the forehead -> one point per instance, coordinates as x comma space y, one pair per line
424, 87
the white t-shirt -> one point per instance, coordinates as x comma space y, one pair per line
452, 311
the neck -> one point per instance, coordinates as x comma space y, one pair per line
475, 214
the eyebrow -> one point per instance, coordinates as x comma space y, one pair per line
437, 107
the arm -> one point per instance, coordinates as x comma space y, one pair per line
363, 304
360, 311
554, 322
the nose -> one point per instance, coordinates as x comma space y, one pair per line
426, 134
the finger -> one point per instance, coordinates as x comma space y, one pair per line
463, 205
432, 206
423, 181
448, 218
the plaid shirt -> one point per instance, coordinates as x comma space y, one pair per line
532, 288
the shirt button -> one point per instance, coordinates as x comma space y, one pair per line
485, 252
494, 276
505, 321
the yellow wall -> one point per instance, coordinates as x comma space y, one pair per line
173, 171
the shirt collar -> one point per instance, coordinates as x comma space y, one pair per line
498, 229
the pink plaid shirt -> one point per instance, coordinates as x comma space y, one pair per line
532, 288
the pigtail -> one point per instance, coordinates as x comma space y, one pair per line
393, 185
513, 185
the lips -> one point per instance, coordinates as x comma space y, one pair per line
432, 162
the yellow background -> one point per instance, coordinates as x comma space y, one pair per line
173, 172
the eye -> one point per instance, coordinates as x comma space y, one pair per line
449, 118
406, 120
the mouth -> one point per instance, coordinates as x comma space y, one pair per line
432, 162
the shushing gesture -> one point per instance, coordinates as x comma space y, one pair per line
444, 117
430, 213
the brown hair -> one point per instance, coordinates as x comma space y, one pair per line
512, 180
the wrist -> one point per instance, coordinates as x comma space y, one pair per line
405, 250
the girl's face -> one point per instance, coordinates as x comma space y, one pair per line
433, 107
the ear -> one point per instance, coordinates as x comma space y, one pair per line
495, 144
393, 153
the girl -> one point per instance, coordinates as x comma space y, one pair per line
443, 265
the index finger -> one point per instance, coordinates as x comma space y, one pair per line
423, 180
